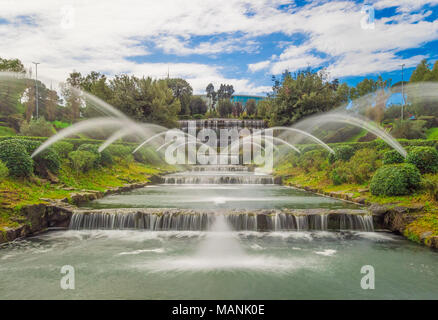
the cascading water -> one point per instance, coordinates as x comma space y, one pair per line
232, 174
180, 220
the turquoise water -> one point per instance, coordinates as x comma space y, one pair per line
177, 265
219, 196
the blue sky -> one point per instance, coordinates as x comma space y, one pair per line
240, 42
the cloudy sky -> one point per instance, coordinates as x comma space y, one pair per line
241, 42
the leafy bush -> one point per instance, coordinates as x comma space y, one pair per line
39, 127
14, 155
312, 160
337, 177
82, 161
430, 184
409, 129
395, 179
102, 158
363, 165
46, 160
343, 153
147, 156
63, 148
392, 156
121, 152
4, 171
359, 169
424, 158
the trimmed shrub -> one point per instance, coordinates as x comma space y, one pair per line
337, 177
424, 158
14, 155
4, 171
392, 156
121, 152
63, 148
430, 184
395, 179
103, 158
343, 153
147, 156
46, 160
39, 128
82, 161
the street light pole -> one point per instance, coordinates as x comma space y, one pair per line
403, 94
36, 86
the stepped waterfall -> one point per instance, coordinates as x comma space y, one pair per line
202, 220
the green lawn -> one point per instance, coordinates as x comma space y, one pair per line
5, 131
432, 134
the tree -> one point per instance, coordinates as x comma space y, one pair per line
71, 92
300, 95
225, 107
145, 99
197, 105
237, 109
251, 107
51, 104
182, 91
211, 94
12, 65
421, 73
225, 91
11, 92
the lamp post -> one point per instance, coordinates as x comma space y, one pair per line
403, 94
36, 86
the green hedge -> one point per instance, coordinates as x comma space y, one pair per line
45, 160
14, 155
392, 156
424, 158
4, 171
395, 179
344, 153
103, 158
82, 161
63, 148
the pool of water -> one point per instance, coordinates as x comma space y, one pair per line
133, 264
217, 196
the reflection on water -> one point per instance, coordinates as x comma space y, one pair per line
219, 197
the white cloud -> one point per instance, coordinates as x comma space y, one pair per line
105, 36
259, 65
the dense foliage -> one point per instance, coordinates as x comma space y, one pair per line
14, 155
103, 158
392, 157
82, 161
341, 153
4, 171
424, 158
37, 128
395, 179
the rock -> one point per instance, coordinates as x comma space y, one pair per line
52, 178
360, 200
377, 209
401, 209
433, 242
424, 235
363, 190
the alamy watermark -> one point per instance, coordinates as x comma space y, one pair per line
367, 21
232, 146
68, 281
368, 280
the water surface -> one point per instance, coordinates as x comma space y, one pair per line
176, 265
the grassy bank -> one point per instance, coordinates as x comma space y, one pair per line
77, 167
352, 176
